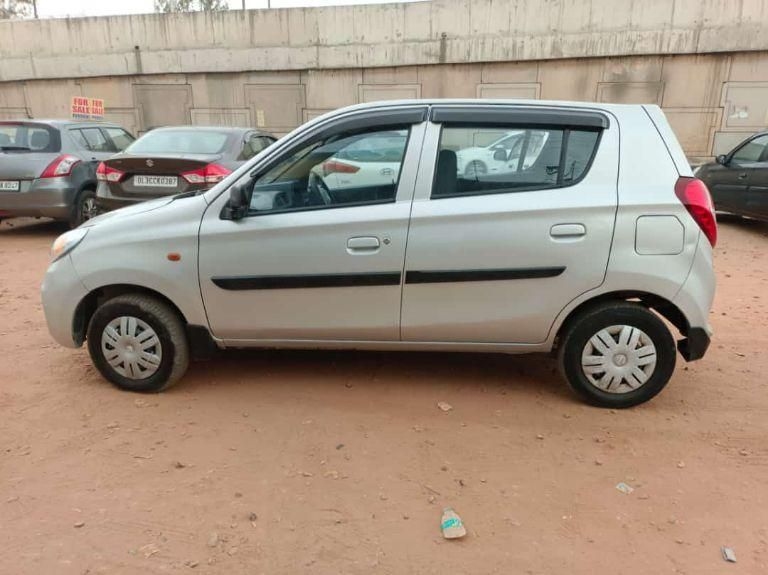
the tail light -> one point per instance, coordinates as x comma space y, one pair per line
105, 173
337, 167
694, 195
61, 166
210, 174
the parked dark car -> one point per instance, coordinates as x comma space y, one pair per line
173, 160
738, 180
48, 167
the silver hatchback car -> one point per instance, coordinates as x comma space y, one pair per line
586, 235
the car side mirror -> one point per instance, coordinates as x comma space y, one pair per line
238, 204
722, 159
500, 155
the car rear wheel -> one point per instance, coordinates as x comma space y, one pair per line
617, 355
83, 209
138, 343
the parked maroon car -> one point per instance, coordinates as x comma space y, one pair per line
174, 160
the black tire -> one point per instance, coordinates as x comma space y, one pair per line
83, 209
166, 324
583, 327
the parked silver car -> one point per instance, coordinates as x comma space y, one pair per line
578, 247
48, 167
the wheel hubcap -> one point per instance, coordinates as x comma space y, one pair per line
131, 347
619, 359
88, 208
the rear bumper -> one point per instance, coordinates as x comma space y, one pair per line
694, 300
48, 198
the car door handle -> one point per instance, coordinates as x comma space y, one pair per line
566, 231
742, 176
364, 244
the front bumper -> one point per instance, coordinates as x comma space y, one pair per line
47, 198
62, 292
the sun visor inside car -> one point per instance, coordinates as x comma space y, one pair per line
518, 116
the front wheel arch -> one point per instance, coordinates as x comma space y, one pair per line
90, 303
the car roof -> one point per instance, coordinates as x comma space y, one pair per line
227, 129
489, 102
60, 123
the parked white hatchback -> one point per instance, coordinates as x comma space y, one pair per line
582, 247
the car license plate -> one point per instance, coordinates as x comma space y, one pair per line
9, 186
156, 181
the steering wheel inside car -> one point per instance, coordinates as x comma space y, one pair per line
318, 188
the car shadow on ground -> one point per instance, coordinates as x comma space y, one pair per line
521, 375
31, 227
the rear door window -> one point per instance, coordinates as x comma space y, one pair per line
120, 138
485, 159
77, 136
752, 151
252, 145
96, 140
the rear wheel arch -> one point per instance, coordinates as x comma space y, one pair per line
617, 353
656, 303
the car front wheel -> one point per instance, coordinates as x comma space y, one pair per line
138, 343
617, 354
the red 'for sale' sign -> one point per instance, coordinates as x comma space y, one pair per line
87, 108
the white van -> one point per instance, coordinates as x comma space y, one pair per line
580, 245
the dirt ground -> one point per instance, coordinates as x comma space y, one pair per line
325, 462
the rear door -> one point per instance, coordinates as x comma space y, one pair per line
495, 257
95, 146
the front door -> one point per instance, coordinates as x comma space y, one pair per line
729, 183
495, 257
315, 259
757, 192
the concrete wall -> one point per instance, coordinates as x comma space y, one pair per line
704, 61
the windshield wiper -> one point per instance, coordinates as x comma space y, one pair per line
13, 148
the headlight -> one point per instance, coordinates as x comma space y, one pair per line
65, 243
